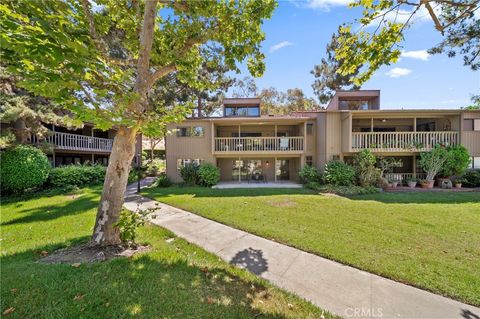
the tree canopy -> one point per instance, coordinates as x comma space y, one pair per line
328, 79
375, 39
106, 60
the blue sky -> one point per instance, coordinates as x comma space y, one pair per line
298, 32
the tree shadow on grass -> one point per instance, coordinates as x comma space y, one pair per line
154, 285
81, 204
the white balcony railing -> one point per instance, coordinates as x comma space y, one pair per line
402, 141
259, 144
75, 142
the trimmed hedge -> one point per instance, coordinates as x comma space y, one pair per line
23, 167
310, 174
471, 178
77, 175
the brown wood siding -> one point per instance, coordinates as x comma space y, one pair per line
187, 147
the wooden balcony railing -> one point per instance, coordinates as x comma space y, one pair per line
258, 144
75, 142
404, 177
402, 141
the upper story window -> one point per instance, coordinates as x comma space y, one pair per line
353, 105
242, 111
187, 131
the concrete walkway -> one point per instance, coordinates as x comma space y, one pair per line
343, 290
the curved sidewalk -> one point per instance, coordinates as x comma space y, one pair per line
340, 289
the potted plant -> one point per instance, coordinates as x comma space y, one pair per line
412, 182
425, 183
432, 162
459, 181
393, 183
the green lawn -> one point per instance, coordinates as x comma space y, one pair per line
173, 280
430, 240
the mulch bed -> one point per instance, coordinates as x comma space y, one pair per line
86, 253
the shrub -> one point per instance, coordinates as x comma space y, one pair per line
347, 190
364, 165
155, 167
189, 173
339, 174
208, 175
162, 181
23, 167
457, 162
432, 161
471, 178
77, 175
129, 222
310, 174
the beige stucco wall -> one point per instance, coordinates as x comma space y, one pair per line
187, 147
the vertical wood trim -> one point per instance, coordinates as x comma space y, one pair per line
305, 137
371, 124
414, 124
415, 165
275, 130
212, 127
275, 168
239, 167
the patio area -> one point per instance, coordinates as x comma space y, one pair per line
279, 184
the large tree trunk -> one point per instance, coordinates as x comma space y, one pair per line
105, 232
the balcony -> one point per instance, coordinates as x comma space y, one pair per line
265, 145
75, 142
402, 141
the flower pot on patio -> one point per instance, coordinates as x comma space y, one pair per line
412, 184
458, 185
446, 184
428, 183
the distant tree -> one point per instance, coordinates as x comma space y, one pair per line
245, 87
384, 22
475, 105
327, 78
28, 113
295, 100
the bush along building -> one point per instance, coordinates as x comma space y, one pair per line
246, 145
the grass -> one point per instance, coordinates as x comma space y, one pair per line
173, 280
429, 240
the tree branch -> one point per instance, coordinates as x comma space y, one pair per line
160, 73
91, 27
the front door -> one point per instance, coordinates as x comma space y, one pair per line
282, 169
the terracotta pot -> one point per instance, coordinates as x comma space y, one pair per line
428, 184
458, 185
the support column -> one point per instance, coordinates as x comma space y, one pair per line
275, 130
371, 124
414, 124
275, 166
414, 171
93, 159
239, 166
54, 144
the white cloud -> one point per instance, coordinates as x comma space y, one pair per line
398, 72
419, 54
327, 4
280, 45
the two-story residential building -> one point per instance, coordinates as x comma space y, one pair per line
246, 146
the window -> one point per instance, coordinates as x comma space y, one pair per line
187, 131
309, 160
198, 131
244, 111
475, 162
468, 124
353, 105
309, 128
181, 162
